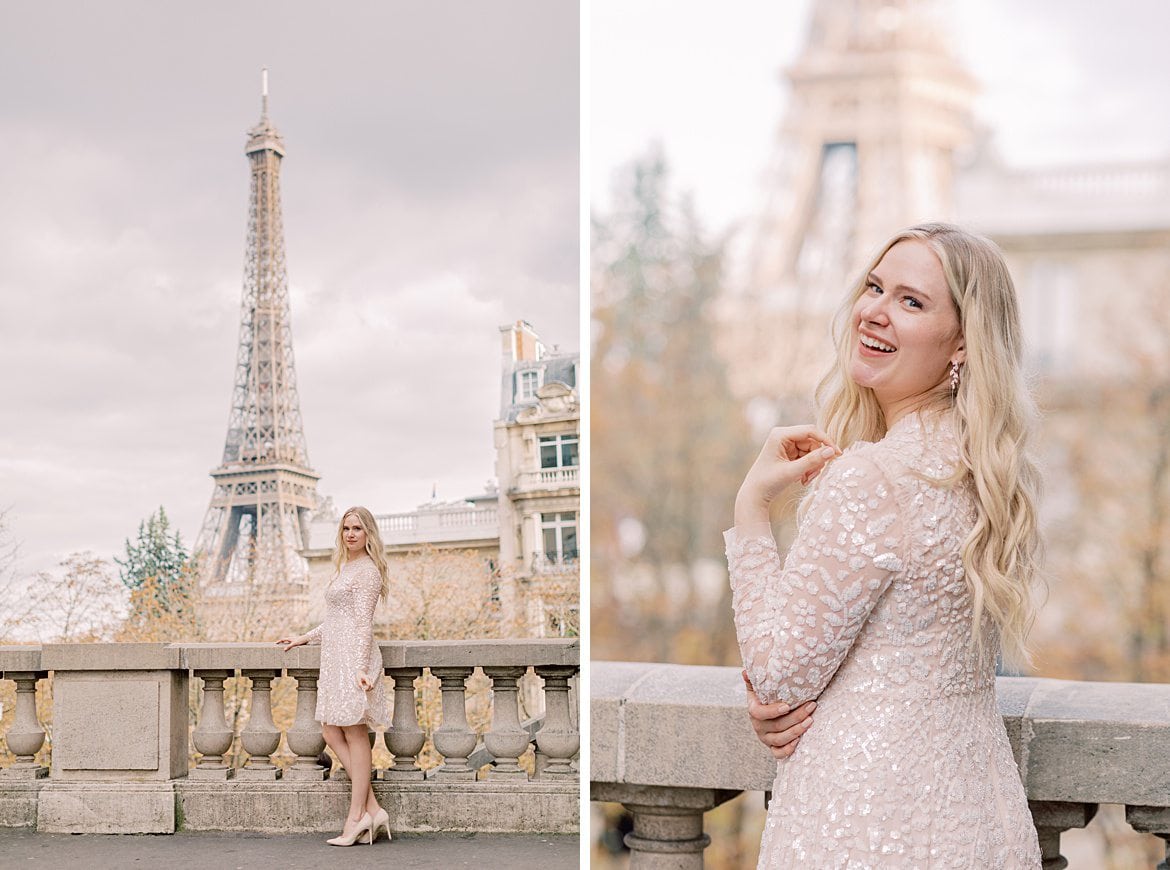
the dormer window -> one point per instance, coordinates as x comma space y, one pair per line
527, 383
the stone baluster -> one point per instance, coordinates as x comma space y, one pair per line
668, 823
557, 738
260, 736
506, 740
454, 740
404, 738
1053, 818
26, 736
1152, 820
212, 736
304, 738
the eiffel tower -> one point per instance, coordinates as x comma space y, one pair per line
257, 522
878, 109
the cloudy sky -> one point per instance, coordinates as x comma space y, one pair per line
430, 193
1064, 81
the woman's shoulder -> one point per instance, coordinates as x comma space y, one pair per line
920, 446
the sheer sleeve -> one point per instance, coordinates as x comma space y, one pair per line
796, 622
365, 597
314, 635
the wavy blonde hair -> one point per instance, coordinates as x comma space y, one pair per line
994, 417
374, 547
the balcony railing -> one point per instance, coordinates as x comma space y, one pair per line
1077, 745
133, 750
439, 525
548, 478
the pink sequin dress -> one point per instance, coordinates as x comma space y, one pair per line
907, 763
348, 648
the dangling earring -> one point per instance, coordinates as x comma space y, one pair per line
954, 379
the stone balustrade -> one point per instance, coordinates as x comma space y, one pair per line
548, 478
135, 750
670, 742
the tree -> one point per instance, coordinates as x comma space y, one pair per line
674, 440
1108, 528
439, 594
158, 559
14, 603
81, 603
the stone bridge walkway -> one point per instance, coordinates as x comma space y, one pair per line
22, 847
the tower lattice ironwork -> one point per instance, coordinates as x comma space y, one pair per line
257, 523
878, 109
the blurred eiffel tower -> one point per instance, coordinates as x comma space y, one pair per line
877, 111
249, 548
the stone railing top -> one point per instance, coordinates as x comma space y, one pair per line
24, 657
227, 656
686, 727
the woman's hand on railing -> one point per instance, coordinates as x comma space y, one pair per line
777, 727
289, 642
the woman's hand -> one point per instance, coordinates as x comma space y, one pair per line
789, 454
365, 682
289, 642
776, 727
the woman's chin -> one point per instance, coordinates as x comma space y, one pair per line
862, 375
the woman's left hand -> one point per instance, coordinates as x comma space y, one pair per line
789, 454
365, 682
776, 725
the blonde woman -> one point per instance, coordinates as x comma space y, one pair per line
910, 573
350, 697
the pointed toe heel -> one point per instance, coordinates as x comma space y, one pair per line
364, 826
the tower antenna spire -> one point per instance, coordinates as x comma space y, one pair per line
264, 93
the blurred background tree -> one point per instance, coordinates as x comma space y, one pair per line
674, 440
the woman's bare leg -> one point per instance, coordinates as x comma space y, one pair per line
361, 798
335, 740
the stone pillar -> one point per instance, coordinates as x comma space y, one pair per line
212, 736
557, 738
304, 738
404, 738
668, 822
506, 740
260, 736
121, 738
1152, 820
454, 740
1053, 818
26, 736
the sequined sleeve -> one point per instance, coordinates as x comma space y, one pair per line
367, 588
314, 635
796, 622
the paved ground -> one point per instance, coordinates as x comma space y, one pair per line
21, 847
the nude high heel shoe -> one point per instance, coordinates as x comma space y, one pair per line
381, 820
363, 827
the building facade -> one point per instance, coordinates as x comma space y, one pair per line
504, 561
538, 466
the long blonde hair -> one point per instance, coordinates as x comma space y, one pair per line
374, 547
994, 417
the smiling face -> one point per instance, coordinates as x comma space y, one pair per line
905, 330
354, 536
